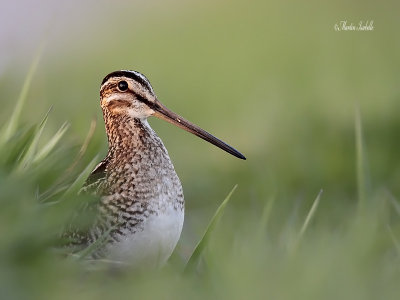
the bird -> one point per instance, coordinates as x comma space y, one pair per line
141, 203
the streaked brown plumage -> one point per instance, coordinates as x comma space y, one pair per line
142, 204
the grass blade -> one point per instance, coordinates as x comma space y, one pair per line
27, 157
193, 260
51, 144
394, 202
12, 124
50, 194
80, 180
394, 239
265, 215
12, 151
85, 145
360, 161
310, 215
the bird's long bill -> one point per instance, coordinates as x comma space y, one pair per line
164, 113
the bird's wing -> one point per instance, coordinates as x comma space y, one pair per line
94, 184
76, 239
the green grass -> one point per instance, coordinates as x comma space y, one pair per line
202, 244
353, 256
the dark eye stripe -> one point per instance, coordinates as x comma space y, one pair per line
144, 100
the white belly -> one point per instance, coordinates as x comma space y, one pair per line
152, 246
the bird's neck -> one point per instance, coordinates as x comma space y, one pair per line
127, 136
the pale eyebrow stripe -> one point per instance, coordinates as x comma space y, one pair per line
137, 76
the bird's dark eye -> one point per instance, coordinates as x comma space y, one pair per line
122, 86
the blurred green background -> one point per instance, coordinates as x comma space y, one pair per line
271, 78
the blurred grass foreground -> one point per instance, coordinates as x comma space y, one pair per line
316, 211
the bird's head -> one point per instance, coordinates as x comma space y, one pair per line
130, 93
127, 93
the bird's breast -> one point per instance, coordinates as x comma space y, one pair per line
143, 199
153, 242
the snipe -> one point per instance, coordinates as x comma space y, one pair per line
142, 205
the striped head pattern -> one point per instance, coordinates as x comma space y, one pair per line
129, 93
